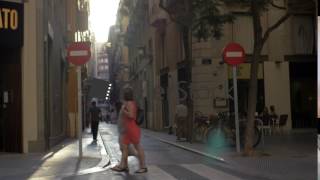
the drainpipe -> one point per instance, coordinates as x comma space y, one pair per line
46, 76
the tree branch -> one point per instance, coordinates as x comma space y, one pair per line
273, 27
276, 6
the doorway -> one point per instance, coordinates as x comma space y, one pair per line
303, 87
243, 96
164, 99
10, 101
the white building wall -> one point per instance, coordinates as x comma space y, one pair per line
29, 76
277, 88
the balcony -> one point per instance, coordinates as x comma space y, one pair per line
82, 21
82, 15
170, 5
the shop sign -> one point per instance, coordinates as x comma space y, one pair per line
11, 24
244, 71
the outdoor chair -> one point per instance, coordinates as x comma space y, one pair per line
266, 124
283, 118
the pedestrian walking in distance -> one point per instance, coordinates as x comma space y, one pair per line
131, 133
95, 114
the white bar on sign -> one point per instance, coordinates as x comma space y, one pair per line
234, 54
79, 53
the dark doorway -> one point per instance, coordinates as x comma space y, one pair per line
303, 87
243, 96
10, 100
164, 96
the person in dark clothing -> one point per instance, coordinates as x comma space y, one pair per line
95, 114
118, 106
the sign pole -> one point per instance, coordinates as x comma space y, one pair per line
79, 111
236, 114
78, 54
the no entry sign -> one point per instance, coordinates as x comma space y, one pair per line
79, 53
233, 54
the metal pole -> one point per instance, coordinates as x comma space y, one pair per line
79, 111
236, 114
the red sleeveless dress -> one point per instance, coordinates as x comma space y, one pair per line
132, 130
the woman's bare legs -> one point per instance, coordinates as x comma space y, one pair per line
124, 156
141, 155
123, 165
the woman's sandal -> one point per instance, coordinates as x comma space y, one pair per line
142, 170
119, 169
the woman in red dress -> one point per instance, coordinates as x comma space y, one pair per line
131, 133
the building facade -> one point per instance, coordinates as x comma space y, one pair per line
33, 113
102, 62
78, 31
35, 75
287, 69
118, 52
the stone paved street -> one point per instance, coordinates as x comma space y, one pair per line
166, 159
164, 162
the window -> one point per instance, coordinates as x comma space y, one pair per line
303, 34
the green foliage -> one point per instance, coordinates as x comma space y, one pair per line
208, 20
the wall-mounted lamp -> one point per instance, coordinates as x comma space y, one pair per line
141, 51
221, 62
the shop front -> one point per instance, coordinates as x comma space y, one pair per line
243, 80
11, 42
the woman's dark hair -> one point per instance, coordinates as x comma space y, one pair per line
128, 94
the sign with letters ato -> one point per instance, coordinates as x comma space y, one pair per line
11, 24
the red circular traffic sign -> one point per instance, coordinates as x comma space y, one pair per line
79, 53
233, 54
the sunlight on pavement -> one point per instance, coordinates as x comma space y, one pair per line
63, 154
65, 161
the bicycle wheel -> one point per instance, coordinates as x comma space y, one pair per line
257, 137
217, 137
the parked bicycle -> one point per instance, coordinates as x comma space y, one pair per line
225, 130
202, 124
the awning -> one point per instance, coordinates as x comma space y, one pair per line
97, 88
